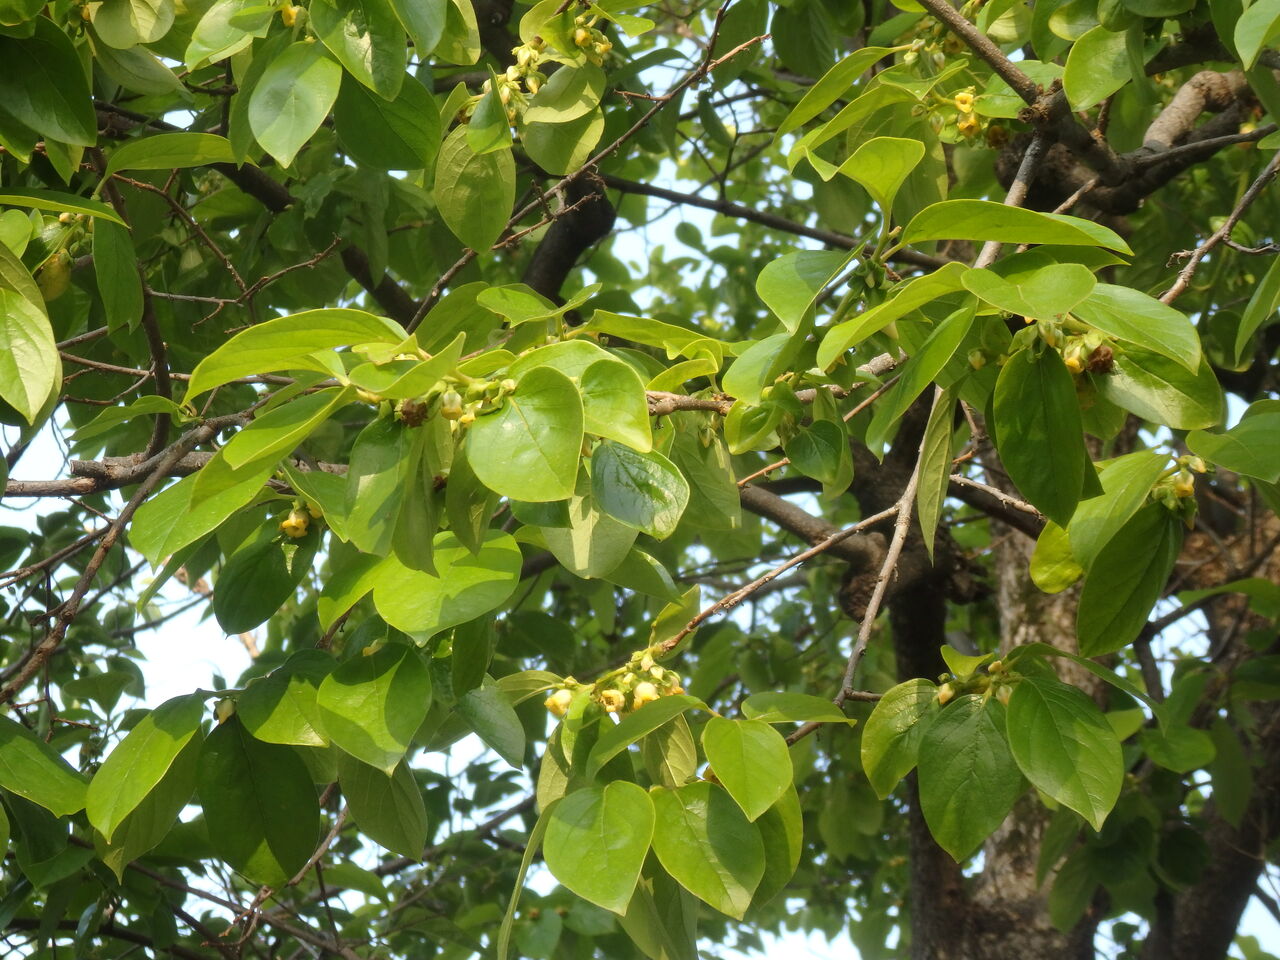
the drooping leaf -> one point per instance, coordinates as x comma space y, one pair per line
372, 704
1065, 747
892, 736
597, 839
968, 778
259, 803
387, 808
292, 98
751, 759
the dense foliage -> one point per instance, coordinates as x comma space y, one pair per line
828, 453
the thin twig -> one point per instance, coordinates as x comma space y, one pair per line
1222, 233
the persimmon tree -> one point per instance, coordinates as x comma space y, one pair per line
818, 462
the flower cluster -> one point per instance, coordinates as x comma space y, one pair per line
628, 688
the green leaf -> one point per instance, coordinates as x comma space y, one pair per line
1251, 447
1126, 579
115, 267
597, 839
29, 365
909, 296
1178, 747
170, 151
282, 428
789, 285
1053, 564
791, 708
381, 468
281, 707
614, 404
891, 739
367, 38
126, 23
987, 220
226, 28
1097, 66
591, 543
425, 21
155, 815
400, 134
570, 93
662, 918
292, 98
1126, 482
751, 759
387, 809
935, 467
372, 705
32, 769
882, 165
44, 87
465, 585
759, 366
1257, 28
641, 490
968, 778
474, 192
1262, 305
529, 449
1065, 747
670, 755
635, 726
260, 578
259, 804
193, 506
1039, 433
1131, 315
1039, 293
134, 768
709, 846
560, 148
56, 202
490, 714
833, 85
285, 342
782, 832
919, 372
1163, 391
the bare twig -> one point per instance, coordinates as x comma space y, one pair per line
1222, 233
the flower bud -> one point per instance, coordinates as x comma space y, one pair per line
1003, 693
451, 405
558, 702
295, 525
644, 692
945, 693
223, 709
582, 37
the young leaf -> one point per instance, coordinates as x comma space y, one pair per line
1126, 482
529, 449
641, 490
170, 151
464, 586
709, 846
281, 707
285, 342
1135, 317
1065, 747
367, 38
988, 220
614, 405
789, 284
475, 192
292, 98
597, 839
28, 355
636, 725
751, 759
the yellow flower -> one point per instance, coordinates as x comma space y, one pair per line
969, 125
295, 525
558, 702
964, 101
612, 700
645, 692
